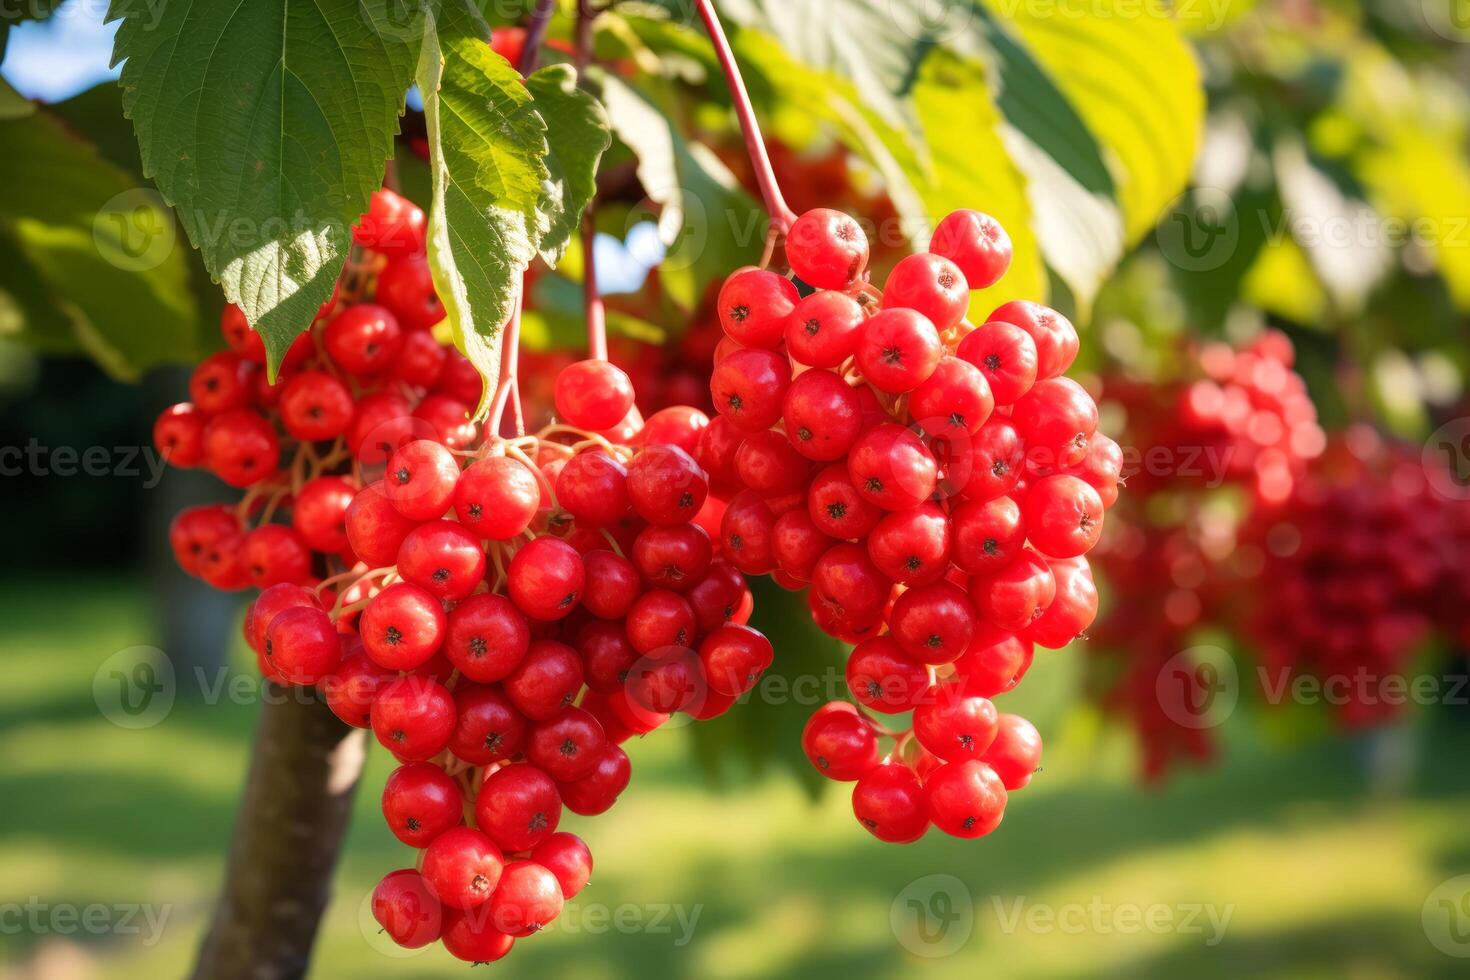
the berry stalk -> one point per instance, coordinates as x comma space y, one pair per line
535, 36
782, 217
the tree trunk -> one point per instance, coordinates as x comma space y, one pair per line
303, 774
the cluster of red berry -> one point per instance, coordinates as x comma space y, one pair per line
933, 486
503, 613
1341, 577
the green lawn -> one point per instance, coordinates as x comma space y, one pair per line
1308, 867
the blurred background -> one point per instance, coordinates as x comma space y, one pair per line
1254, 763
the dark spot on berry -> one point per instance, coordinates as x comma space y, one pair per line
734, 402
969, 822
914, 563
478, 646
992, 547
837, 510
567, 600
682, 637
739, 313
812, 327
686, 500
402, 475
393, 636
847, 231
413, 824
1000, 467
822, 762
440, 576
957, 420
268, 649
966, 741
480, 884
874, 689
992, 361
538, 821
734, 543
475, 510
804, 434
568, 698
569, 748
935, 641
493, 740
873, 485
892, 355
870, 824
398, 735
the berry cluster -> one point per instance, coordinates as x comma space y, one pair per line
503, 613
934, 486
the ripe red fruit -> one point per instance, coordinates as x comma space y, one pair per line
849, 589
593, 488
666, 485
1057, 414
826, 248
911, 546
1055, 337
393, 225
931, 285
1016, 595
606, 654
497, 498
241, 447
883, 677
661, 687
271, 602
471, 936
195, 530
518, 806
720, 597
529, 897
746, 532
448, 421
754, 304
178, 435
486, 637
567, 746
413, 718
767, 464
383, 422
677, 425
242, 339
545, 578
965, 799
273, 553
302, 645
890, 466
596, 792
420, 802
351, 689
933, 623
487, 728
840, 742
422, 359
660, 619
954, 724
976, 243
566, 856
823, 330
797, 543
1064, 516
315, 406
462, 867
955, 399
364, 339
986, 535
822, 415
222, 382
610, 584
734, 657
420, 479
319, 513
1016, 751
994, 662
1006, 355
1073, 609
898, 349
889, 802
406, 909
993, 462
375, 529
837, 508
748, 388
546, 680
406, 287
443, 558
403, 626
593, 394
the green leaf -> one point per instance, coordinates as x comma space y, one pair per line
707, 221
488, 151
267, 126
29, 314
106, 251
578, 133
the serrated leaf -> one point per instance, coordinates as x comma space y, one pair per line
105, 250
487, 149
578, 133
267, 125
707, 221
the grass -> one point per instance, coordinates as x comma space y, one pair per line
1284, 862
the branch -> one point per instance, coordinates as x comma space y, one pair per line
304, 770
535, 36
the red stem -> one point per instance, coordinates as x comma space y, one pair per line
505, 385
781, 215
591, 300
535, 36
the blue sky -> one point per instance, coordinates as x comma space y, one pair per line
55, 59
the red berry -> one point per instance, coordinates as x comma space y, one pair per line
241, 447
363, 339
839, 742
413, 718
976, 243
420, 802
1064, 516
487, 728
606, 654
222, 382
1057, 415
911, 546
826, 248
302, 645
993, 462
987, 535
889, 802
933, 623
734, 658
748, 388
1016, 595
660, 619
891, 467
666, 485
994, 662
518, 806
471, 936
383, 422
375, 529
567, 746
593, 488
965, 799
497, 498
529, 897
406, 909
898, 350
422, 358
403, 626
1016, 751
393, 225
421, 478
546, 680
954, 724
568, 857
238, 334
596, 792
272, 602
443, 558
178, 435
837, 508
274, 553
823, 330
929, 284
822, 415
955, 399
1073, 609
319, 513
195, 530
315, 406
610, 585
1006, 355
545, 578
406, 287
883, 677
746, 532
486, 637
462, 867
797, 543
593, 394
754, 304
1055, 337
